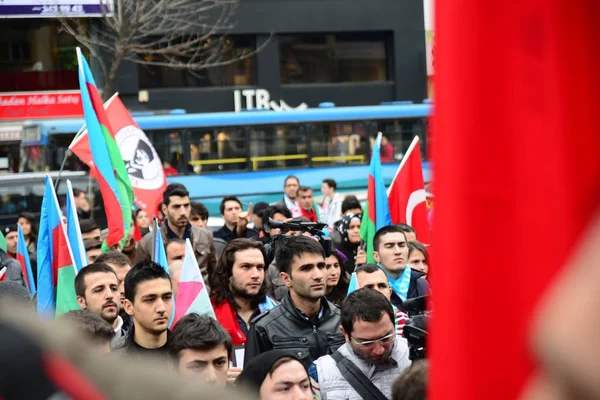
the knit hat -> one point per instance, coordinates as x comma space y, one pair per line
255, 372
9, 228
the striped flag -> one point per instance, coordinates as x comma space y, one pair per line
159, 256
23, 258
56, 269
2, 274
192, 295
110, 172
377, 211
73, 230
2, 242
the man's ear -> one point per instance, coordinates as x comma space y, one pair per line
346, 336
81, 302
376, 256
164, 209
128, 306
286, 279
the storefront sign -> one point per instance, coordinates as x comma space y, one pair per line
54, 8
31, 105
260, 99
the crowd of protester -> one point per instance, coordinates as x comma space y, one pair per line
288, 325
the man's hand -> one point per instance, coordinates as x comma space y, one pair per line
243, 219
361, 257
232, 374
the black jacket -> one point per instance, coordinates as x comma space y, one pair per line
416, 288
284, 327
126, 346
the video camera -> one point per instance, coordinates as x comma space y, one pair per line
415, 330
314, 228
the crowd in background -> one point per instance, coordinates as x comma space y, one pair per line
288, 323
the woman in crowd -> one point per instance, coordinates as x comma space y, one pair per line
349, 228
338, 280
418, 257
142, 222
29, 227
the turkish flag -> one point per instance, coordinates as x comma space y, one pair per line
517, 177
141, 160
406, 194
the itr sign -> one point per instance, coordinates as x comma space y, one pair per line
260, 99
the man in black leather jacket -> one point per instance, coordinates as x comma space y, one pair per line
305, 323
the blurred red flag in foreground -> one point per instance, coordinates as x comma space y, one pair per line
517, 179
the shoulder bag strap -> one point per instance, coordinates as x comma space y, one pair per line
354, 376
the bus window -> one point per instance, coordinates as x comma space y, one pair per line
33, 159
338, 143
216, 149
169, 147
278, 146
397, 136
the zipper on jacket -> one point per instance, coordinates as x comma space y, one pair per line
316, 336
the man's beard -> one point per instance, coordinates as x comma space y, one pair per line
241, 292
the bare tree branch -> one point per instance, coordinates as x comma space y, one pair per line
180, 34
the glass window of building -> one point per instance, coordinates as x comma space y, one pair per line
238, 73
35, 55
333, 58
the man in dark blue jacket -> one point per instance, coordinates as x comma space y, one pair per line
390, 250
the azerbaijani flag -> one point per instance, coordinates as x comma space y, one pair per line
192, 295
377, 211
73, 230
23, 258
2, 242
100, 138
56, 269
159, 256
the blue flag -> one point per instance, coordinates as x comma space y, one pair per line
159, 256
73, 230
23, 258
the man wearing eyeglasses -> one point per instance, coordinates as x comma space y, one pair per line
373, 356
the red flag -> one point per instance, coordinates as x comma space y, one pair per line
143, 163
2, 274
406, 194
517, 179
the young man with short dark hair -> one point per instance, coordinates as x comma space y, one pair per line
236, 221
199, 214
97, 289
90, 229
121, 264
149, 300
305, 205
391, 253
305, 322
93, 249
200, 347
176, 225
373, 277
372, 347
